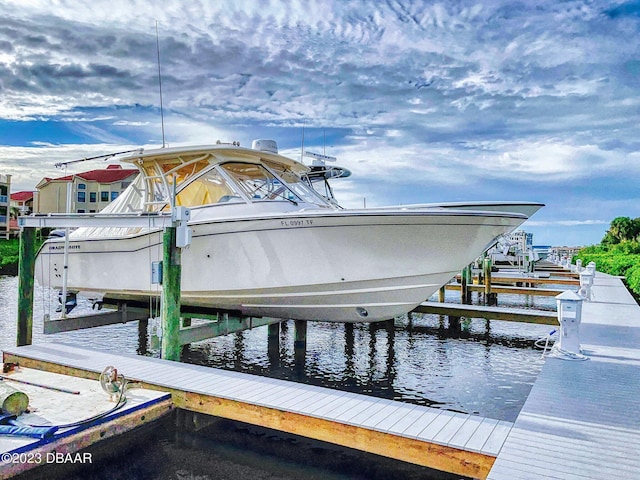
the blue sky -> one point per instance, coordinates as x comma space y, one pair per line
423, 101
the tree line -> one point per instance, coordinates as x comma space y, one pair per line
622, 229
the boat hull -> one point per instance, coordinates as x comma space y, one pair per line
345, 266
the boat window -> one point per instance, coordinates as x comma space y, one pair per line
208, 189
258, 183
300, 187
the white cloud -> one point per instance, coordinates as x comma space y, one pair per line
494, 97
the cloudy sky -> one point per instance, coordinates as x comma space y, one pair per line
424, 101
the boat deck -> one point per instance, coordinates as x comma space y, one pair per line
454, 442
581, 418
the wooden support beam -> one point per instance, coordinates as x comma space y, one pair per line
543, 292
123, 315
26, 270
465, 280
491, 313
223, 326
300, 333
440, 457
534, 280
170, 316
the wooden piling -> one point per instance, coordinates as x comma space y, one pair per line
441, 294
273, 344
490, 298
300, 347
26, 270
170, 316
300, 334
143, 337
465, 278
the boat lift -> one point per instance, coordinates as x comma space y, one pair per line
177, 235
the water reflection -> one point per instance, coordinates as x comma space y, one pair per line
474, 367
418, 360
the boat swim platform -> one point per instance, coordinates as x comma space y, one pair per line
580, 420
56, 399
489, 313
449, 441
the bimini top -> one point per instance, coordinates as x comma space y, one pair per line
218, 173
247, 180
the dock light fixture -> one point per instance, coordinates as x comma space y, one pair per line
569, 316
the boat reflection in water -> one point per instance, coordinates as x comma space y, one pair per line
264, 243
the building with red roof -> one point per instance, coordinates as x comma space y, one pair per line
91, 191
23, 201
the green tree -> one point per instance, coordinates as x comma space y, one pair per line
622, 229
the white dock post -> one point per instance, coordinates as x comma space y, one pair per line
586, 282
569, 316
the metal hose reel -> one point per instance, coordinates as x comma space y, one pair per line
112, 382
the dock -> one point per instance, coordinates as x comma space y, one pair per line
55, 400
579, 421
448, 441
581, 418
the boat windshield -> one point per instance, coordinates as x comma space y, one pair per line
201, 182
298, 185
207, 189
258, 183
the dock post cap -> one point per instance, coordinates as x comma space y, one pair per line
569, 296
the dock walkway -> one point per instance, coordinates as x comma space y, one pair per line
449, 441
581, 418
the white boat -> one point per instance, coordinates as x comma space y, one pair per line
265, 244
525, 208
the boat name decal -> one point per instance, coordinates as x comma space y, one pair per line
296, 223
61, 247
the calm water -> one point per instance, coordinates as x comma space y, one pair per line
481, 371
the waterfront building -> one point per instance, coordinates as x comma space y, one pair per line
5, 209
91, 191
22, 201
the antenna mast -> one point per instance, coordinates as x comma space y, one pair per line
302, 145
160, 83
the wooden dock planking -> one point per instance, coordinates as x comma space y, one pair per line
490, 313
580, 420
412, 433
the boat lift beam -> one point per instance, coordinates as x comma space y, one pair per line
124, 314
61, 220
